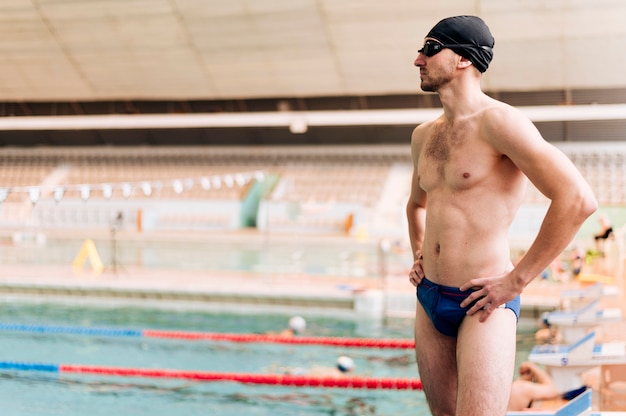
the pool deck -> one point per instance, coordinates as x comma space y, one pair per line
172, 287
238, 290
288, 292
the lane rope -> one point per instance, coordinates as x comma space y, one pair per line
213, 336
346, 382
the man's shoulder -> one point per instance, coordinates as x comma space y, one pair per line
496, 108
422, 129
427, 124
498, 115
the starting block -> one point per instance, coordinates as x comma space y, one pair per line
579, 406
565, 363
592, 292
576, 323
577, 298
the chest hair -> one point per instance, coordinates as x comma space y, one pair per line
444, 140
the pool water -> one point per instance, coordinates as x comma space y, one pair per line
37, 393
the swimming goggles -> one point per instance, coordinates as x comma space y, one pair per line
432, 48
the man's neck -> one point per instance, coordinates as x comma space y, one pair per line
461, 98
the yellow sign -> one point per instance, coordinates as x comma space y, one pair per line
89, 250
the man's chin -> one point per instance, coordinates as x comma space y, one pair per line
427, 87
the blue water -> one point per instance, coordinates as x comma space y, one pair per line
38, 393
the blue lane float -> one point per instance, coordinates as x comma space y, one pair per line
21, 366
73, 330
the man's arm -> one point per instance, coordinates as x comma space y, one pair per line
542, 386
416, 216
532, 372
416, 205
533, 384
416, 212
555, 176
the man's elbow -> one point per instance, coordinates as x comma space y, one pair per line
588, 204
411, 207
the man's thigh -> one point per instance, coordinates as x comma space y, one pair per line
486, 363
436, 362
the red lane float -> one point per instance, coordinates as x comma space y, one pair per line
299, 340
246, 378
191, 336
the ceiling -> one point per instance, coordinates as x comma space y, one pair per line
91, 50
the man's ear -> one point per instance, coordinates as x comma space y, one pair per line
464, 62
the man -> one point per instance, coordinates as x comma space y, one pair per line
535, 384
471, 167
532, 384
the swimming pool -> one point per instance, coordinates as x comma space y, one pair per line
36, 393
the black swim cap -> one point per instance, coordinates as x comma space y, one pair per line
466, 30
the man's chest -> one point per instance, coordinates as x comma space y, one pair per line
451, 157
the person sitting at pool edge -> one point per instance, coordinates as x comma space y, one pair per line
535, 384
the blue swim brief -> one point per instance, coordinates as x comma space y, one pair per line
441, 304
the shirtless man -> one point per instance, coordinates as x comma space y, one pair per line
471, 167
533, 383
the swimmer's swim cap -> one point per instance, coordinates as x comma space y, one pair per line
297, 324
345, 364
471, 34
